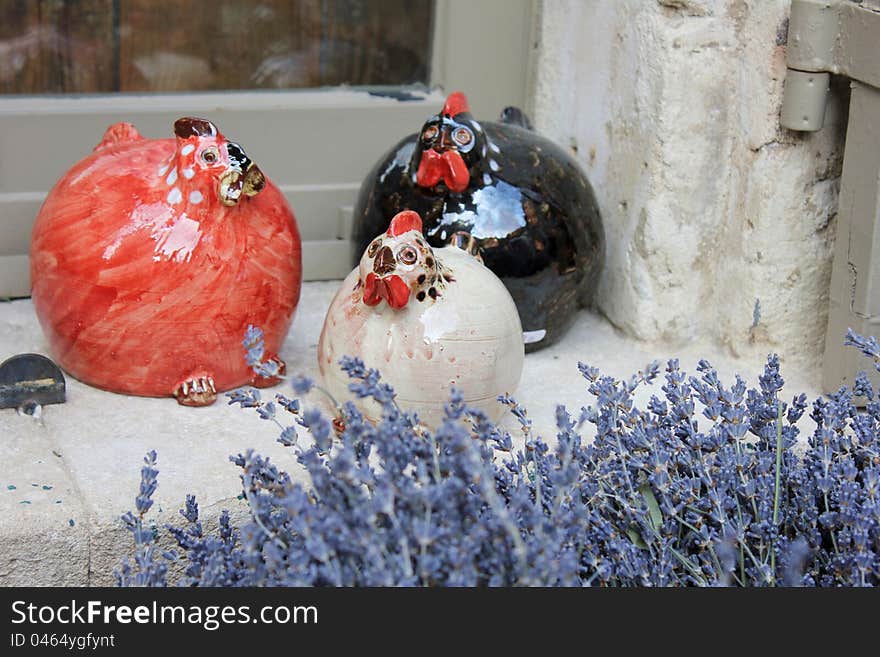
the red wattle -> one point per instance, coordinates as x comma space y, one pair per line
430, 169
457, 176
447, 166
371, 289
398, 291
391, 288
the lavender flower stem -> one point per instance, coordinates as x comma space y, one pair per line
776, 489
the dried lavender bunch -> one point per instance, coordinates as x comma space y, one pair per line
708, 485
147, 569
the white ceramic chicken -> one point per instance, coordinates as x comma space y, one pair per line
426, 319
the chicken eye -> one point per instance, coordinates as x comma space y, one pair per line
429, 133
373, 248
462, 136
408, 255
209, 156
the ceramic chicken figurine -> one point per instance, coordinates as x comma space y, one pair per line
426, 318
150, 258
525, 201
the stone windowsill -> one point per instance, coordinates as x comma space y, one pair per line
66, 478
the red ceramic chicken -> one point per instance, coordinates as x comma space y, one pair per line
150, 258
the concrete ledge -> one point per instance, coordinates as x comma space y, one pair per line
65, 479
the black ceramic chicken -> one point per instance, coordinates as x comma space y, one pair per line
503, 189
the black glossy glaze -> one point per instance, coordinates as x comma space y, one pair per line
528, 205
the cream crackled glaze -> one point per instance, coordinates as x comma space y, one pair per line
428, 319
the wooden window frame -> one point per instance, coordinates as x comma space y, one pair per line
839, 37
317, 145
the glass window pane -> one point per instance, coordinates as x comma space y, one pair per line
102, 46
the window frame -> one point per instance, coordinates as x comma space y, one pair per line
316, 144
840, 38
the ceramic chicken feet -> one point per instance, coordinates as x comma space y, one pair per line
196, 391
269, 381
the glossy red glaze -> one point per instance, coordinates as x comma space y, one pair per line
142, 278
447, 166
456, 103
390, 288
403, 222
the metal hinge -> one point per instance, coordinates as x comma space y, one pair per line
839, 37
827, 37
